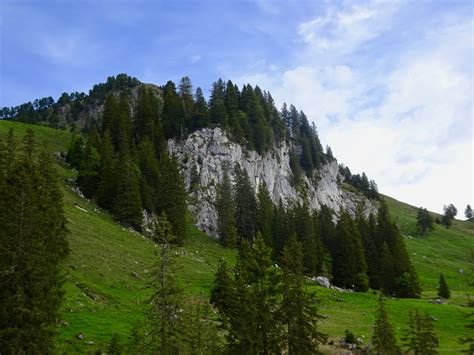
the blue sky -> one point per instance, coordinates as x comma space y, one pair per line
388, 83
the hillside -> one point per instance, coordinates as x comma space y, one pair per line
108, 268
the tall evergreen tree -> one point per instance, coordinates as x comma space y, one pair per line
217, 104
88, 174
171, 196
149, 175
173, 112
383, 338
106, 191
349, 265
298, 308
449, 213
201, 117
419, 336
246, 205
185, 91
443, 289
32, 245
264, 215
166, 302
225, 205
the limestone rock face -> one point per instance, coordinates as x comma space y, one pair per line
204, 155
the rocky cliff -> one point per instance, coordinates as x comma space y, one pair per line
204, 155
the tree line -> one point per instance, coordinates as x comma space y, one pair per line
355, 253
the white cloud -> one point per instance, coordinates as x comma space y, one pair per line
195, 58
407, 125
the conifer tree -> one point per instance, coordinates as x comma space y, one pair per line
171, 196
185, 91
298, 308
419, 336
468, 212
74, 153
225, 206
88, 174
449, 213
127, 207
383, 338
349, 265
110, 115
443, 289
149, 175
146, 116
166, 302
106, 191
280, 230
32, 245
424, 221
201, 117
173, 112
217, 104
264, 213
246, 205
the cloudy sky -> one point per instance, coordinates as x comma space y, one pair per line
389, 84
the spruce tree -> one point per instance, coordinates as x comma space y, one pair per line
32, 245
173, 112
419, 336
443, 289
164, 315
149, 175
201, 117
225, 206
127, 207
298, 308
383, 338
75, 151
106, 191
264, 213
171, 196
246, 205
88, 174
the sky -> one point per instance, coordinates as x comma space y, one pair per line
389, 84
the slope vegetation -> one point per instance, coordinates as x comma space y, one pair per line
108, 269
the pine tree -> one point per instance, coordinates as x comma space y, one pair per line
419, 336
74, 153
443, 289
164, 315
383, 338
149, 175
173, 112
225, 206
146, 116
298, 308
201, 117
88, 174
185, 91
246, 205
171, 196
449, 213
217, 104
424, 221
32, 245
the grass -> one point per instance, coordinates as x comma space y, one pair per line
108, 268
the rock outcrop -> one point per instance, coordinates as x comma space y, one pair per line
204, 155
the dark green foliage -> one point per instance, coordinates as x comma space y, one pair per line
349, 265
264, 215
298, 308
280, 230
362, 183
88, 176
246, 205
424, 221
146, 119
171, 196
185, 91
201, 115
468, 212
397, 275
443, 289
106, 191
383, 337
367, 230
149, 177
449, 213
32, 246
75, 151
173, 112
166, 302
419, 337
127, 204
225, 205
217, 104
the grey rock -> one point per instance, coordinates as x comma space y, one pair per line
211, 153
80, 336
323, 281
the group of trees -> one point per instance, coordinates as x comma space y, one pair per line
265, 309
355, 252
424, 220
32, 245
125, 166
418, 338
360, 182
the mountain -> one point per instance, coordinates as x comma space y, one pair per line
108, 269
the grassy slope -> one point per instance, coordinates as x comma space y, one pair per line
103, 297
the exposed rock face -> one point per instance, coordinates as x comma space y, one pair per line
210, 152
